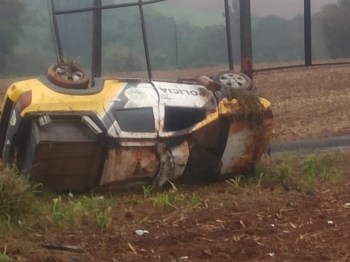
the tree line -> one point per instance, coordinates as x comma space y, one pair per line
27, 46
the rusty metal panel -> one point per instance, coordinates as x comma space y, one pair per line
239, 137
246, 142
130, 163
180, 154
166, 165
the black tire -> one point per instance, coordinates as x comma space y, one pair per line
81, 83
234, 80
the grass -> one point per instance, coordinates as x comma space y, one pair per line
16, 197
70, 213
19, 200
4, 257
289, 172
27, 209
173, 198
300, 172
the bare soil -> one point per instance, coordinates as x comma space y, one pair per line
268, 224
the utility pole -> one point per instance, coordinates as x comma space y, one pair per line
307, 32
246, 38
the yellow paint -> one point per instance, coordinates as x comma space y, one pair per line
265, 102
46, 99
209, 119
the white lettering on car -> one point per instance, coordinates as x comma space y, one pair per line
182, 92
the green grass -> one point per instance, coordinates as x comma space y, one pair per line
319, 168
300, 171
4, 257
173, 198
16, 197
71, 213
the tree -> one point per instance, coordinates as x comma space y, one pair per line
11, 12
335, 20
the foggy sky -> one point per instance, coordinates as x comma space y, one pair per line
284, 8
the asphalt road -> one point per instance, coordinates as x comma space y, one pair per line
316, 145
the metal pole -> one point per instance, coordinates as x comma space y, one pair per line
307, 32
246, 38
56, 33
105, 7
145, 42
228, 34
176, 48
97, 40
131, 56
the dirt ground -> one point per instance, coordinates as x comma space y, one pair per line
266, 225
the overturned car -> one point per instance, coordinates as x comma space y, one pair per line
73, 132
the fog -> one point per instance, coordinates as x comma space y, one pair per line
283, 8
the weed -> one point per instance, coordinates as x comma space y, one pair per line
167, 199
284, 172
329, 173
235, 182
104, 218
4, 256
194, 201
319, 167
262, 169
311, 168
17, 197
57, 215
254, 181
147, 191
71, 213
132, 200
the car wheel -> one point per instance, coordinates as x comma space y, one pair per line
66, 76
234, 80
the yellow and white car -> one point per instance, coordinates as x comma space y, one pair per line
122, 132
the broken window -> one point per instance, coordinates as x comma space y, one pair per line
178, 118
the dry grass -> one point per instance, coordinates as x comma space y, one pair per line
308, 103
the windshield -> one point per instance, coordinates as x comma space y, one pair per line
157, 39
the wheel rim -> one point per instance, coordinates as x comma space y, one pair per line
68, 75
232, 80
